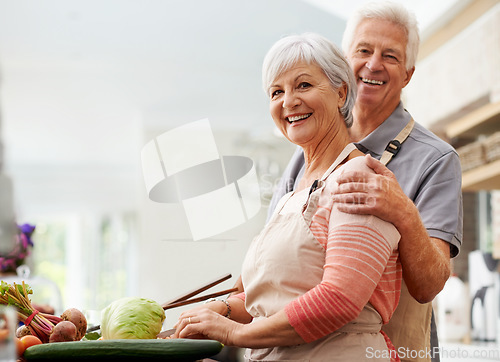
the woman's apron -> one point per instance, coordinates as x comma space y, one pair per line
284, 262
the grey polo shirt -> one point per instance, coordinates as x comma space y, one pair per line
427, 168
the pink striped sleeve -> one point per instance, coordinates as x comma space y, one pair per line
356, 258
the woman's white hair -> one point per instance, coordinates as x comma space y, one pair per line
312, 49
390, 11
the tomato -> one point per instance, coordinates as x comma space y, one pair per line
19, 347
30, 340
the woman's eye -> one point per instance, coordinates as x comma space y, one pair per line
304, 85
275, 93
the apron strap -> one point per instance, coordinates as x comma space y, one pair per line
340, 158
393, 146
312, 199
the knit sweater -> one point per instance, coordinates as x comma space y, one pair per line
361, 266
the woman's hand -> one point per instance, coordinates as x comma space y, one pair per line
201, 323
215, 305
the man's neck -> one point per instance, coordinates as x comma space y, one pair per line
366, 120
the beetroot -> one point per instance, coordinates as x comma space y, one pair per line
76, 317
64, 331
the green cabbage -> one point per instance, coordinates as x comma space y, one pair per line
132, 318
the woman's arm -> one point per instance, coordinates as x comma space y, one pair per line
425, 260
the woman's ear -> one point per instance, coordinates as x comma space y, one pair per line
342, 93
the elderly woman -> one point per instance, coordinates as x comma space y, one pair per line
318, 283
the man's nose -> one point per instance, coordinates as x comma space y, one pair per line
374, 63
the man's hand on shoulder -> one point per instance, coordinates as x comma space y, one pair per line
375, 191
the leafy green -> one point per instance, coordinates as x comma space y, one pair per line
132, 318
92, 336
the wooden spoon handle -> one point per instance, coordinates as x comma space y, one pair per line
199, 299
197, 290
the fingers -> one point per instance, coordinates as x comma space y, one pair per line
358, 183
357, 187
183, 327
354, 176
360, 209
364, 176
194, 323
353, 198
377, 166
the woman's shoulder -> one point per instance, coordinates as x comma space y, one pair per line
355, 164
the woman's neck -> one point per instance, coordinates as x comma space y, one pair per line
319, 158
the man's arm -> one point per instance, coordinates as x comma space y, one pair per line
425, 260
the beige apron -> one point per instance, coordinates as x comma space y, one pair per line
410, 326
284, 262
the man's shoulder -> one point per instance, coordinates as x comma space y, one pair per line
424, 139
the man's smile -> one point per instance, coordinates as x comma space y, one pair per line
372, 81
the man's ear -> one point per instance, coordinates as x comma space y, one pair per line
409, 74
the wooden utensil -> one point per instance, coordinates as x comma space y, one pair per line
184, 298
198, 290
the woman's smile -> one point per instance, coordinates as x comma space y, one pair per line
295, 118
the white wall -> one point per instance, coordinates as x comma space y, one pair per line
170, 262
459, 73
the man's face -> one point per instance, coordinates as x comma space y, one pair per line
378, 56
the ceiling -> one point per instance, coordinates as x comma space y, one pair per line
81, 79
84, 83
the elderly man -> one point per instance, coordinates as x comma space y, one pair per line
422, 194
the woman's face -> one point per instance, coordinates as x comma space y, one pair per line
304, 105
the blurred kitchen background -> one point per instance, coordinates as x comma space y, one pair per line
85, 84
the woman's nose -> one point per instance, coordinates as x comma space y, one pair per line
290, 100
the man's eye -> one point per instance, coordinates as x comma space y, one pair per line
392, 58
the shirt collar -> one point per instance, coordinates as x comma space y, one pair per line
376, 142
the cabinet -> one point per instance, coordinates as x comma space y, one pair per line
482, 128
